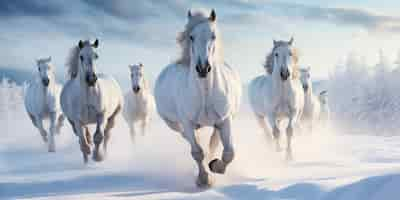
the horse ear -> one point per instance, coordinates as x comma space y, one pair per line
80, 44
213, 16
189, 14
291, 41
141, 65
96, 43
48, 59
275, 43
308, 68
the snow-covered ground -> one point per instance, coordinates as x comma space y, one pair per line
336, 163
327, 166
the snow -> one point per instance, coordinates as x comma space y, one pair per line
346, 161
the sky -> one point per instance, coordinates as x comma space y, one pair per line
325, 32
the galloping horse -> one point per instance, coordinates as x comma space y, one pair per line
42, 101
90, 98
139, 102
312, 105
278, 94
200, 90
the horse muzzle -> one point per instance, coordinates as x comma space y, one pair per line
45, 82
91, 79
136, 89
203, 71
285, 74
305, 87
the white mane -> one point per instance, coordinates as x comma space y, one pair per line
72, 63
197, 17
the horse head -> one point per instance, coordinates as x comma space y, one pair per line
137, 78
203, 44
87, 58
45, 70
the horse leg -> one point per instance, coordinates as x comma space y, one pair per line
107, 132
39, 125
225, 130
143, 126
214, 143
203, 179
32, 119
289, 134
60, 123
85, 148
73, 127
52, 145
263, 125
88, 138
132, 132
98, 137
275, 131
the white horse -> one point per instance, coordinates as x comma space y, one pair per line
42, 101
90, 98
200, 90
139, 103
312, 106
278, 95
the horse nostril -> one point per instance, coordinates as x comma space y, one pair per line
136, 89
91, 79
208, 68
45, 81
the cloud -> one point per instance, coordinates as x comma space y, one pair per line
343, 16
29, 8
367, 20
144, 11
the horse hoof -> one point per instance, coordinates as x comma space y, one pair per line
204, 181
98, 157
85, 158
51, 150
217, 166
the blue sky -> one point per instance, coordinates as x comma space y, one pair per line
145, 31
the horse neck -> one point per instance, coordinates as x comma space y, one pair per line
84, 90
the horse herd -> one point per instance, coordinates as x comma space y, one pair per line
198, 89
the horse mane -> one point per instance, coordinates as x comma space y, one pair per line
268, 64
197, 17
72, 63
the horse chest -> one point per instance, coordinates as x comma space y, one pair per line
206, 113
90, 108
88, 114
282, 104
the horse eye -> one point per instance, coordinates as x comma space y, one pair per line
191, 38
290, 54
39, 69
81, 57
276, 54
96, 56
